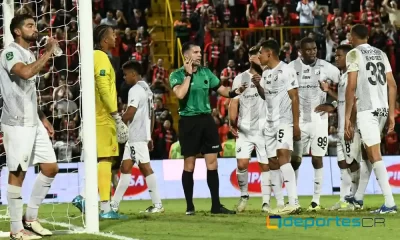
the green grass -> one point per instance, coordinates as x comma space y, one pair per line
173, 224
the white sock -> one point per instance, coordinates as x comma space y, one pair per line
290, 183
296, 172
40, 189
105, 206
151, 181
243, 181
123, 184
266, 186
355, 180
365, 174
345, 183
318, 176
276, 183
383, 180
15, 206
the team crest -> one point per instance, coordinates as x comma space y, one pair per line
9, 56
102, 72
317, 71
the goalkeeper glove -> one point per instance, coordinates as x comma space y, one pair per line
122, 129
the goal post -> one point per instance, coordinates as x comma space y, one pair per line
88, 115
8, 14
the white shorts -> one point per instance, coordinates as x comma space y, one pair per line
314, 137
278, 138
370, 127
245, 145
27, 146
138, 152
349, 151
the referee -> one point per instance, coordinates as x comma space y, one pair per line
198, 132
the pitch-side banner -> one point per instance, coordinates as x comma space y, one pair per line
70, 180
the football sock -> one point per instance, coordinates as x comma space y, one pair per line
276, 183
40, 189
345, 183
266, 186
187, 183
290, 183
151, 182
104, 180
383, 181
123, 184
365, 174
213, 184
15, 207
318, 175
296, 172
243, 179
355, 180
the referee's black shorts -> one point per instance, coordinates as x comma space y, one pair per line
198, 134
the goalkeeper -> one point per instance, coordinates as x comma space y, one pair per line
109, 126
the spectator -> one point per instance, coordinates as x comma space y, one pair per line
306, 9
394, 12
228, 74
273, 20
109, 20
138, 20
212, 53
122, 23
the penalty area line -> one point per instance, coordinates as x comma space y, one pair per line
72, 229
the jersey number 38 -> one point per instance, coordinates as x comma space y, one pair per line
377, 73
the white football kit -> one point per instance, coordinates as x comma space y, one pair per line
25, 138
313, 126
372, 65
347, 151
278, 128
251, 119
136, 148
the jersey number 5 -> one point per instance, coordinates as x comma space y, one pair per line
377, 73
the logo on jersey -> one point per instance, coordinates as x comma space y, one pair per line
394, 175
102, 72
137, 184
9, 56
238, 150
317, 71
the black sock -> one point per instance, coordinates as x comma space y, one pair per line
187, 183
213, 184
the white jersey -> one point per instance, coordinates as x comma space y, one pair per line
150, 94
277, 83
310, 93
251, 106
19, 95
372, 65
139, 127
341, 107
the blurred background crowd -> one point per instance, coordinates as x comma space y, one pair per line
225, 29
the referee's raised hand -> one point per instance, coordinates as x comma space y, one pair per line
188, 65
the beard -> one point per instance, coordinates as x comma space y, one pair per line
256, 68
30, 38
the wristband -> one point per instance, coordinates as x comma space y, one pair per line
233, 93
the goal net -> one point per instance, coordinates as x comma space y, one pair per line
59, 93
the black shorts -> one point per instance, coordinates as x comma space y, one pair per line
198, 134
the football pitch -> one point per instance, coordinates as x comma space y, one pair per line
251, 224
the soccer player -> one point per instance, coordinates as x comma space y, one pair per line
310, 72
348, 152
371, 80
140, 114
282, 122
197, 129
110, 129
26, 129
248, 130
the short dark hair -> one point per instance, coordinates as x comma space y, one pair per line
18, 22
98, 34
187, 46
133, 65
272, 45
305, 41
360, 30
254, 50
345, 48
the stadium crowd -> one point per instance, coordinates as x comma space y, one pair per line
225, 29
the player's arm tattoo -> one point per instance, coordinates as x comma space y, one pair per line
27, 71
350, 93
294, 96
42, 116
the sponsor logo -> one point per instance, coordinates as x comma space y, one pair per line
394, 175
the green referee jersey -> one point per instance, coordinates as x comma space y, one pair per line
196, 101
